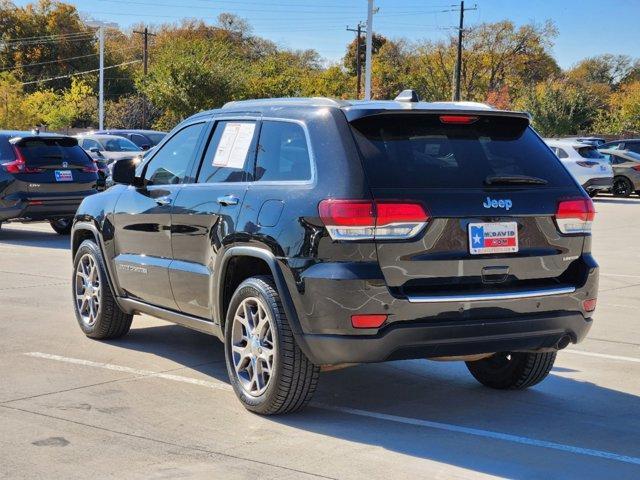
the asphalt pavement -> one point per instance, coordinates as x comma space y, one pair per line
157, 403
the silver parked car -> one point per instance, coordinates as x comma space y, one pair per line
108, 148
626, 171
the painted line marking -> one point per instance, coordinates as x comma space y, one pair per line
133, 371
618, 275
484, 434
364, 413
603, 355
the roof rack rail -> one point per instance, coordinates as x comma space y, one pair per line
287, 101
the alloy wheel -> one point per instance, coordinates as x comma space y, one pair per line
621, 187
253, 347
87, 289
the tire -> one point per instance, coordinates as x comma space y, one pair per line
622, 187
98, 314
289, 381
512, 371
62, 226
593, 193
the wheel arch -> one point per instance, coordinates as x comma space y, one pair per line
265, 263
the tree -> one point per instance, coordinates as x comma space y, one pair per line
12, 115
45, 40
560, 108
132, 111
350, 61
624, 113
606, 69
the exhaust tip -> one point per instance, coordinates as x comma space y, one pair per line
563, 342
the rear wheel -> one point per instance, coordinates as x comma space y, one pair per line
512, 370
62, 226
268, 371
622, 187
96, 310
593, 193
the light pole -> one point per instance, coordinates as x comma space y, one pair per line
101, 26
367, 72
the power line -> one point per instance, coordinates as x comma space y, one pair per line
60, 77
18, 67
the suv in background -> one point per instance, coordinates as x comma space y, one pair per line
145, 139
630, 144
589, 167
43, 177
307, 233
626, 171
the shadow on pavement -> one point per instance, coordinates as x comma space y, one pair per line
617, 200
561, 410
32, 238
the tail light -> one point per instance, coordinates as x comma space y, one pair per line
19, 165
458, 119
93, 168
575, 216
636, 168
366, 220
587, 164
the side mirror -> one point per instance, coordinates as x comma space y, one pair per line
145, 147
124, 171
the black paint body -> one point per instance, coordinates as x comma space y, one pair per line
179, 259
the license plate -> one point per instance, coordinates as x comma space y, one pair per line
493, 238
64, 176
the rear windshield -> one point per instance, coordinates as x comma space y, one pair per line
156, 138
42, 151
590, 152
418, 150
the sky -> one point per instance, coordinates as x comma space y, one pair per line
586, 27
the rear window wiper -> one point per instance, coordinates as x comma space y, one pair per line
514, 180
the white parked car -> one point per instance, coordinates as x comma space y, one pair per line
588, 166
108, 148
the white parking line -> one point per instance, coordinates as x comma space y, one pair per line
603, 355
134, 371
364, 413
485, 434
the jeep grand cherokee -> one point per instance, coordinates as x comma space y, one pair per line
307, 233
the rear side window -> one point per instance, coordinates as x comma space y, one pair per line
590, 152
43, 151
6, 150
418, 150
283, 154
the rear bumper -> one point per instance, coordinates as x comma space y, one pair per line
424, 340
602, 183
40, 208
432, 325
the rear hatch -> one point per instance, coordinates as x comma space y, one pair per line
597, 163
52, 166
491, 190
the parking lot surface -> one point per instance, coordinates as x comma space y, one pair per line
157, 404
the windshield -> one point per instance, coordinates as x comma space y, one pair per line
155, 137
590, 152
118, 144
418, 150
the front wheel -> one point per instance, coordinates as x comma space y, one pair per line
268, 371
62, 226
512, 370
97, 312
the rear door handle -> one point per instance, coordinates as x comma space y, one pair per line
228, 200
163, 201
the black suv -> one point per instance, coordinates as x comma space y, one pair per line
314, 233
43, 177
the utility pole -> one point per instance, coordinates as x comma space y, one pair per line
456, 91
101, 26
358, 60
367, 72
145, 61
145, 48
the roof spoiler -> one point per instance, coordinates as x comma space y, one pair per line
62, 140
